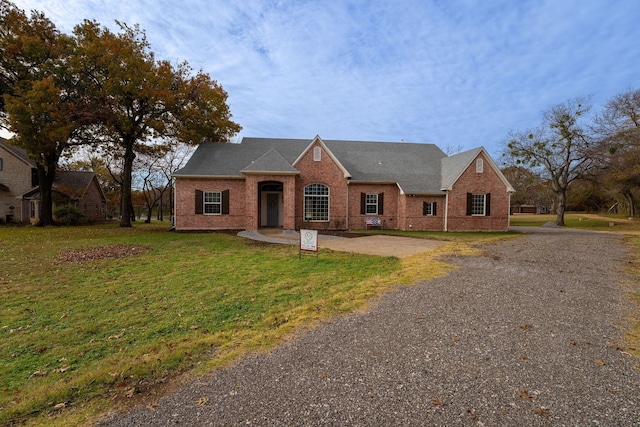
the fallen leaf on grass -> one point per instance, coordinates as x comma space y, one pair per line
60, 406
61, 370
130, 392
40, 374
202, 401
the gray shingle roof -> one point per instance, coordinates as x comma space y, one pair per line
271, 162
417, 168
16, 151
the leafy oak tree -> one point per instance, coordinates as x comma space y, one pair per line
144, 104
41, 97
560, 149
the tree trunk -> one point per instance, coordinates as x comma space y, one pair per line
45, 181
125, 190
562, 201
149, 213
628, 196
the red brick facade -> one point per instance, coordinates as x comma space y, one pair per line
248, 196
486, 182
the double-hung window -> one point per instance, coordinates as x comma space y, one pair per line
212, 202
316, 202
429, 208
371, 204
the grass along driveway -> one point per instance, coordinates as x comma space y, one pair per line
97, 313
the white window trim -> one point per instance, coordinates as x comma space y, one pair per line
430, 209
317, 195
484, 205
205, 203
367, 204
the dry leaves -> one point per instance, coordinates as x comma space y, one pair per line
100, 252
202, 401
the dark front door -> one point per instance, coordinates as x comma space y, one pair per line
272, 209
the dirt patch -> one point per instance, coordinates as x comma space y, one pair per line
100, 252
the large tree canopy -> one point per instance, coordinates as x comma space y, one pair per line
99, 87
41, 100
560, 148
619, 129
145, 104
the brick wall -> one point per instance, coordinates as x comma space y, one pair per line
414, 218
92, 203
478, 183
326, 172
187, 219
390, 205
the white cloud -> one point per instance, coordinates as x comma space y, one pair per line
448, 72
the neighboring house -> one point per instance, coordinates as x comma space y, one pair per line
316, 184
20, 193
17, 175
78, 188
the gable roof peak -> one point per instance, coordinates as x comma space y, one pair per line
270, 162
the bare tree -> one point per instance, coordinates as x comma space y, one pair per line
618, 127
561, 148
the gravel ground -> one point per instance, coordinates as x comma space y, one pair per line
528, 334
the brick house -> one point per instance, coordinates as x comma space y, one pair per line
20, 193
17, 176
316, 184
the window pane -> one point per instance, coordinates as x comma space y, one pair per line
372, 203
428, 209
316, 202
477, 204
212, 202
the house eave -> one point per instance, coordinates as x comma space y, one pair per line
208, 176
252, 172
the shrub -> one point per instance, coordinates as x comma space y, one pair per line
69, 214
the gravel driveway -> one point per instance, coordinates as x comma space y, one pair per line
528, 334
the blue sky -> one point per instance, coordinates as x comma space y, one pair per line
455, 73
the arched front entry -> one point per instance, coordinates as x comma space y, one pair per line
271, 206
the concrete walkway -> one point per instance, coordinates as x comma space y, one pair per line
399, 247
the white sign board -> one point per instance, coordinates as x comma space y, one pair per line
309, 240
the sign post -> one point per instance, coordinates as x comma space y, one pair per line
309, 242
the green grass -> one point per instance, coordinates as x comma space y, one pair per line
79, 335
78, 338
596, 222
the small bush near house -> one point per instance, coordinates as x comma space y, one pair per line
69, 215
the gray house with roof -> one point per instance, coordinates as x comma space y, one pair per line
20, 193
338, 185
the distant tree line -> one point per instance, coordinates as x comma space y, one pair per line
579, 161
106, 92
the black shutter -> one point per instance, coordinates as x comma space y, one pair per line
487, 201
363, 203
424, 208
469, 203
433, 208
225, 202
381, 204
199, 202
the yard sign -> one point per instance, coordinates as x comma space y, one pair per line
308, 242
